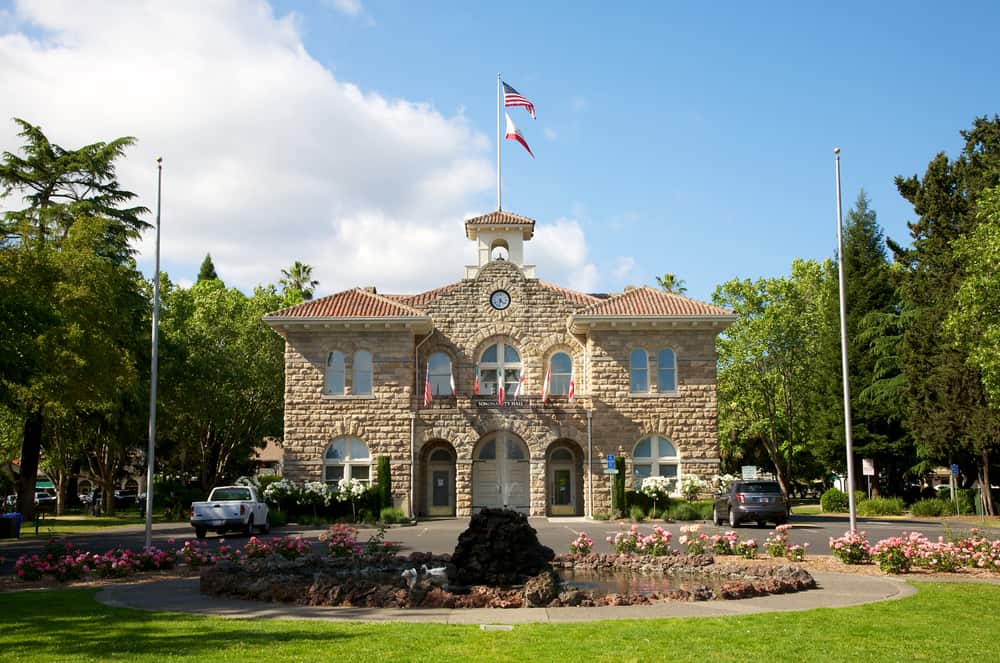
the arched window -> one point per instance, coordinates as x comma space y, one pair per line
666, 371
496, 360
439, 374
654, 455
347, 458
362, 373
560, 374
638, 365
335, 373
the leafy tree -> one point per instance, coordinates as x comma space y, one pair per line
297, 282
207, 271
65, 263
947, 410
768, 363
671, 283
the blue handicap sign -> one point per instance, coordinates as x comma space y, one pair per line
954, 469
611, 462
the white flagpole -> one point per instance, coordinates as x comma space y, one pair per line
150, 452
843, 354
499, 105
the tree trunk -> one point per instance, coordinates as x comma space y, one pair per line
31, 446
984, 484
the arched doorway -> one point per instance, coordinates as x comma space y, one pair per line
501, 473
564, 480
441, 483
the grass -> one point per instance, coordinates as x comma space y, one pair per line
807, 509
65, 525
943, 621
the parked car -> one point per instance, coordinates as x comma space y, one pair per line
230, 508
126, 498
44, 500
758, 500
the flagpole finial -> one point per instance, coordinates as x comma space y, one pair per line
836, 150
159, 161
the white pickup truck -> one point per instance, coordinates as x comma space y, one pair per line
230, 508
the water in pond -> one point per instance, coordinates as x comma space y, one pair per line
601, 583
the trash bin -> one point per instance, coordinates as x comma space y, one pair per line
14, 520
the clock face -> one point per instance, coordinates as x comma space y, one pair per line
500, 300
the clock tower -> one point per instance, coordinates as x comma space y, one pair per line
499, 236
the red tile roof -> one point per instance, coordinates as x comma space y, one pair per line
646, 301
499, 218
572, 296
422, 298
354, 303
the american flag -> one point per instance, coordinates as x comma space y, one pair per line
512, 97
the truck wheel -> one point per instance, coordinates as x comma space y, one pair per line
199, 532
248, 528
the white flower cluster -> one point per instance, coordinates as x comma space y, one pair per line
657, 486
691, 486
349, 489
721, 481
279, 489
253, 482
317, 490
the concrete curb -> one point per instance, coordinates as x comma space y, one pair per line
836, 590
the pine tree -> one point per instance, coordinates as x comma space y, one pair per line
207, 271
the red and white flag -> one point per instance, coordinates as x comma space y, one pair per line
546, 385
572, 388
520, 386
500, 388
512, 97
452, 378
513, 133
475, 380
427, 386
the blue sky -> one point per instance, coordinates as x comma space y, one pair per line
356, 135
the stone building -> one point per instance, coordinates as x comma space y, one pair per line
500, 389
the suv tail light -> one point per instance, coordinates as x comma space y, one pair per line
741, 498
243, 509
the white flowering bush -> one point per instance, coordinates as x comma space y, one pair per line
253, 482
315, 493
349, 490
692, 486
720, 482
280, 491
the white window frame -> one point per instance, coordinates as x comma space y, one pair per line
350, 459
559, 381
358, 370
439, 374
633, 369
511, 370
332, 370
661, 369
655, 463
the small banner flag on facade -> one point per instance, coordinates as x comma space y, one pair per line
500, 387
546, 385
572, 388
475, 379
520, 386
512, 97
451, 377
427, 386
513, 133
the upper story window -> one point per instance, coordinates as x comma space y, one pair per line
335, 383
500, 359
439, 375
560, 374
347, 458
638, 366
666, 371
654, 455
362, 373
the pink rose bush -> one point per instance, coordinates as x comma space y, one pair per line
632, 541
725, 543
747, 549
695, 540
582, 545
341, 541
852, 548
901, 554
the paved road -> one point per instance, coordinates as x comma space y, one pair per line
440, 536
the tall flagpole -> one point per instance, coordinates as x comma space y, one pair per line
499, 104
153, 366
843, 354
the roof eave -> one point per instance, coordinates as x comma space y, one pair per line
418, 324
582, 323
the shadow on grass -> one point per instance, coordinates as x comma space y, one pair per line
49, 625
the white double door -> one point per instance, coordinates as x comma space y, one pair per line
501, 474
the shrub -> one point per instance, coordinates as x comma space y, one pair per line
747, 549
391, 515
637, 513
581, 545
277, 517
695, 541
931, 508
602, 515
195, 554
686, 511
341, 541
289, 547
835, 500
797, 552
628, 541
776, 544
881, 506
384, 483
154, 559
625, 541
724, 544
852, 548
619, 503
894, 554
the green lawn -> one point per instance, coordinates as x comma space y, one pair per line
942, 622
55, 526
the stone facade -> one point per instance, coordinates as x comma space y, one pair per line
441, 446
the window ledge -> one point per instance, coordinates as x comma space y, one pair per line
348, 397
654, 394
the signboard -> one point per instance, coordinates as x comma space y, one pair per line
748, 472
611, 470
868, 467
954, 470
611, 461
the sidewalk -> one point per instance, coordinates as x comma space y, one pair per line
836, 590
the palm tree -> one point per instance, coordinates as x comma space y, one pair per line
299, 279
671, 283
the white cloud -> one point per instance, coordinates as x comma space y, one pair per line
623, 267
561, 250
268, 157
349, 7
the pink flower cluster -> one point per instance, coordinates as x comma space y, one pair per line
724, 544
852, 548
195, 554
630, 541
899, 554
341, 541
290, 547
582, 545
747, 548
695, 540
61, 567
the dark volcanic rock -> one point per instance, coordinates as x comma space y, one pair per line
499, 548
541, 590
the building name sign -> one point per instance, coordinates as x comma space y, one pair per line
493, 402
